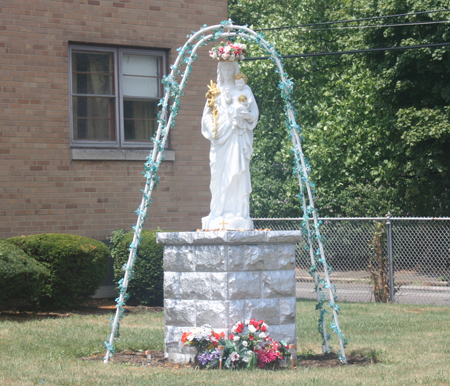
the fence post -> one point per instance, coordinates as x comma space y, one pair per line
390, 260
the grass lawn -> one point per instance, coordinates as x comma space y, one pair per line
412, 341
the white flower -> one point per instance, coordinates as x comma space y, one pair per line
247, 322
234, 356
262, 335
247, 356
236, 338
244, 343
251, 329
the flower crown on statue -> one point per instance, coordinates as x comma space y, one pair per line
228, 52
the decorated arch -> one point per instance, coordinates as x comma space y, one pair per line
170, 106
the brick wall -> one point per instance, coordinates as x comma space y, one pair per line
41, 188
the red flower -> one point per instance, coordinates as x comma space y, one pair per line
231, 337
239, 328
251, 337
185, 336
254, 323
263, 328
261, 322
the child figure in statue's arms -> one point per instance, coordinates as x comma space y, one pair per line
243, 103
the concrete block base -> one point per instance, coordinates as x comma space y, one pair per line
220, 278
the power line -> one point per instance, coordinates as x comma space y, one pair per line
354, 20
355, 51
380, 25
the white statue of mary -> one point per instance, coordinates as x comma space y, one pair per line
231, 149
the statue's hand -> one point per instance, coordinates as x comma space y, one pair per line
246, 116
228, 98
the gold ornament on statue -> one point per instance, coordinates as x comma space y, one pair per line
213, 91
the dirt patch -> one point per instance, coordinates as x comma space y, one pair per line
91, 307
158, 360
332, 360
140, 359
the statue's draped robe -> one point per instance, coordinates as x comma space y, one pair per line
230, 155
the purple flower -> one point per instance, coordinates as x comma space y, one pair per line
359, 198
204, 358
328, 207
207, 357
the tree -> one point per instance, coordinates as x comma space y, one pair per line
375, 119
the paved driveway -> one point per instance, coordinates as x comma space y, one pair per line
363, 293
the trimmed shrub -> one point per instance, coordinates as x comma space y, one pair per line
22, 277
77, 266
146, 287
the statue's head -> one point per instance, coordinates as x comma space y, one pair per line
240, 80
226, 71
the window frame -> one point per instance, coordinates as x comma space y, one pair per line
119, 142
135, 51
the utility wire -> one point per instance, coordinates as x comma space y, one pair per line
380, 25
355, 51
354, 20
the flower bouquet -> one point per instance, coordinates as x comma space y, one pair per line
205, 340
248, 346
271, 353
226, 51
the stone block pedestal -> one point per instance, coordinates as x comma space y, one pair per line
220, 278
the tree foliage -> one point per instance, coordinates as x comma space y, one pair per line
369, 119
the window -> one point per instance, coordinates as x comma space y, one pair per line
114, 96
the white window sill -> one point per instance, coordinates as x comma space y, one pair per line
115, 155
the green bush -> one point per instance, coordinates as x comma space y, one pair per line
77, 266
146, 287
21, 276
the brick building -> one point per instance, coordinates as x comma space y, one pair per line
80, 83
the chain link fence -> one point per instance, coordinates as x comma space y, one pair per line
359, 251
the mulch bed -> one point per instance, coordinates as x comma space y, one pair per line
158, 360
140, 359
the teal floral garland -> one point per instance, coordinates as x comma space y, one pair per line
174, 91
